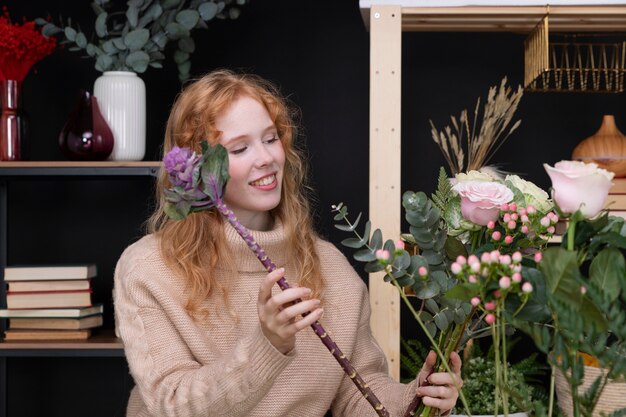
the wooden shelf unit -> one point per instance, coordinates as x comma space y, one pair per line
386, 20
103, 343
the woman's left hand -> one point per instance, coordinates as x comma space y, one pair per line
443, 390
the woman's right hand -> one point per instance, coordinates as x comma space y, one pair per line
280, 318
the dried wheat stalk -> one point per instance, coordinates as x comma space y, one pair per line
496, 117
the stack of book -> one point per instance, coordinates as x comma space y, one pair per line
616, 203
50, 302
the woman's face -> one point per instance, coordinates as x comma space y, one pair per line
256, 161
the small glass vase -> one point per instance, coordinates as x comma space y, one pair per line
86, 136
13, 122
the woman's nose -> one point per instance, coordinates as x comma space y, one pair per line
263, 157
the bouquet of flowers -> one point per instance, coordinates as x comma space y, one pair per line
480, 240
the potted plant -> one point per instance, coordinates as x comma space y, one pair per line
128, 41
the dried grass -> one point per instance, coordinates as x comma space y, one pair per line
461, 139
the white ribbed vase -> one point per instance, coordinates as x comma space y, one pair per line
122, 99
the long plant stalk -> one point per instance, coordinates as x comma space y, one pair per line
317, 327
444, 361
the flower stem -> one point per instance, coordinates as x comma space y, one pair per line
343, 361
571, 234
444, 360
551, 398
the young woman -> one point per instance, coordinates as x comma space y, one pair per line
205, 330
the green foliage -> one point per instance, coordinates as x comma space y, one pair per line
588, 311
444, 193
429, 234
136, 38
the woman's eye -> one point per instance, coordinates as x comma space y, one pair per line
272, 140
237, 151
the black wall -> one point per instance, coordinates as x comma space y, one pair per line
318, 53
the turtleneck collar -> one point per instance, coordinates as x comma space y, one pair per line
272, 242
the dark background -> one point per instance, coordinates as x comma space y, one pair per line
318, 53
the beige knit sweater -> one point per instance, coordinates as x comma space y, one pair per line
226, 367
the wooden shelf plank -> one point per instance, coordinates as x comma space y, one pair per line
76, 164
80, 168
521, 19
103, 343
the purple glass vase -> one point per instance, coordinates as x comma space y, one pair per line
86, 136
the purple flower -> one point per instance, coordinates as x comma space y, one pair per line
181, 164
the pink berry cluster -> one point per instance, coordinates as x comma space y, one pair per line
385, 257
520, 223
497, 275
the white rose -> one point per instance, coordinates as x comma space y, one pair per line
473, 176
534, 195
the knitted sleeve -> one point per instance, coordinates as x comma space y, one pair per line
169, 378
369, 361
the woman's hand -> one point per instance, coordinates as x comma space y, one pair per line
279, 314
442, 392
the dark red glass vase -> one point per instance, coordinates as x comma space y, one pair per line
86, 135
13, 124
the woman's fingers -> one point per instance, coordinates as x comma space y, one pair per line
295, 310
265, 290
428, 367
278, 313
442, 392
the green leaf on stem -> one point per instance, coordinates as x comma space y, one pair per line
607, 269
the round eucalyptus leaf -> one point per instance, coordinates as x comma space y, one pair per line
101, 25
136, 39
160, 39
441, 320
156, 65
104, 62
187, 45
176, 31
234, 13
81, 40
132, 14
109, 47
119, 43
188, 18
184, 67
241, 2
40, 21
70, 34
432, 328
138, 61
168, 4
50, 30
207, 11
425, 289
157, 55
220, 6
91, 49
180, 56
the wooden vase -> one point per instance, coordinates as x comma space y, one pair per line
606, 147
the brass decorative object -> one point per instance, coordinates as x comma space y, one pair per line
577, 63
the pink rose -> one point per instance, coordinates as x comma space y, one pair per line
481, 201
577, 185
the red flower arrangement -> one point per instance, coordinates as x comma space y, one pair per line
21, 46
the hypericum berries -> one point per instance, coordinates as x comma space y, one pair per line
527, 287
382, 254
490, 319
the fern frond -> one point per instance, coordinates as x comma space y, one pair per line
444, 191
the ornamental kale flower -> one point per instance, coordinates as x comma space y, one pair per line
182, 166
187, 194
